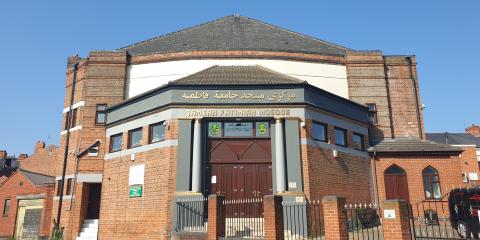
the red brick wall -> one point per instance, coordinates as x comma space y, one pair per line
11, 189
448, 167
474, 130
42, 160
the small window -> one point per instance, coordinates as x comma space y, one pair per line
73, 118
6, 207
59, 186
319, 131
157, 132
358, 141
431, 183
340, 136
69, 187
372, 113
116, 142
135, 138
101, 115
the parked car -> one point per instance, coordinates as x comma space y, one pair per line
464, 207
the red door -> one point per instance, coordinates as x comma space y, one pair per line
396, 184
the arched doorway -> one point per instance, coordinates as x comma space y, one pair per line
396, 184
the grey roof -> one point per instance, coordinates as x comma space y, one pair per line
454, 138
37, 178
412, 145
235, 33
236, 75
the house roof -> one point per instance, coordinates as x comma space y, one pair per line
236, 75
235, 33
37, 178
412, 145
454, 138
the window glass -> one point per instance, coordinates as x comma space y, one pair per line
157, 132
262, 129
372, 113
59, 185
431, 183
116, 143
69, 187
358, 141
238, 129
6, 207
340, 136
319, 131
394, 169
73, 118
135, 138
101, 113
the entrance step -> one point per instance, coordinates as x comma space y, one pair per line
89, 230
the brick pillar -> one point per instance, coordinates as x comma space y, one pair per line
273, 217
216, 216
398, 226
335, 218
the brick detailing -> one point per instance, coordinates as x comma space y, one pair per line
273, 217
398, 227
335, 218
42, 160
473, 129
216, 217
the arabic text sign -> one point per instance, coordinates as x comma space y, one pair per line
275, 96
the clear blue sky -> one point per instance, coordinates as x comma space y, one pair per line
36, 37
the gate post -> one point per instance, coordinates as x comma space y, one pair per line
273, 217
395, 220
335, 218
216, 217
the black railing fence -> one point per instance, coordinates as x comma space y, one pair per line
363, 221
192, 214
243, 218
303, 219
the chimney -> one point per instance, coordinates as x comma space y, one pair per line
3, 154
22, 156
474, 130
39, 145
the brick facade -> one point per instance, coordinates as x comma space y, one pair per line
42, 160
474, 130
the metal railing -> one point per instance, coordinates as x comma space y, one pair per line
303, 220
363, 221
192, 214
244, 218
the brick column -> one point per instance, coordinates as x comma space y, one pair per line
398, 226
273, 217
216, 216
335, 218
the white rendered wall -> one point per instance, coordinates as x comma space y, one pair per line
144, 77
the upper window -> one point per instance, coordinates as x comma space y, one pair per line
6, 207
372, 113
69, 187
135, 138
431, 183
358, 141
73, 118
157, 132
101, 115
59, 184
340, 136
116, 142
319, 131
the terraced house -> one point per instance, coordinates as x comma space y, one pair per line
241, 109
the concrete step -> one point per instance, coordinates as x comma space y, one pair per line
90, 221
88, 234
90, 225
86, 238
90, 229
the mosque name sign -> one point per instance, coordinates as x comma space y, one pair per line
273, 112
232, 95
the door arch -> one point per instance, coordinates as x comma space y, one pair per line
396, 184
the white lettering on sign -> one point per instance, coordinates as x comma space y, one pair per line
238, 112
214, 179
389, 213
292, 184
136, 175
473, 176
299, 199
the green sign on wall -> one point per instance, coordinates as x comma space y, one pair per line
135, 191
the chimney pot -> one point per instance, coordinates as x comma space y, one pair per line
474, 130
22, 156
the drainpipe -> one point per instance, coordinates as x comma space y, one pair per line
387, 86
67, 139
414, 84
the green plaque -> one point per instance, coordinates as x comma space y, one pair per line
214, 129
135, 191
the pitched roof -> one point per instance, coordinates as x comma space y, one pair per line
236, 75
37, 178
454, 138
235, 33
412, 145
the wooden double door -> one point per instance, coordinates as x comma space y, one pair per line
241, 168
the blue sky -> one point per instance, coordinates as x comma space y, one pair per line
36, 37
